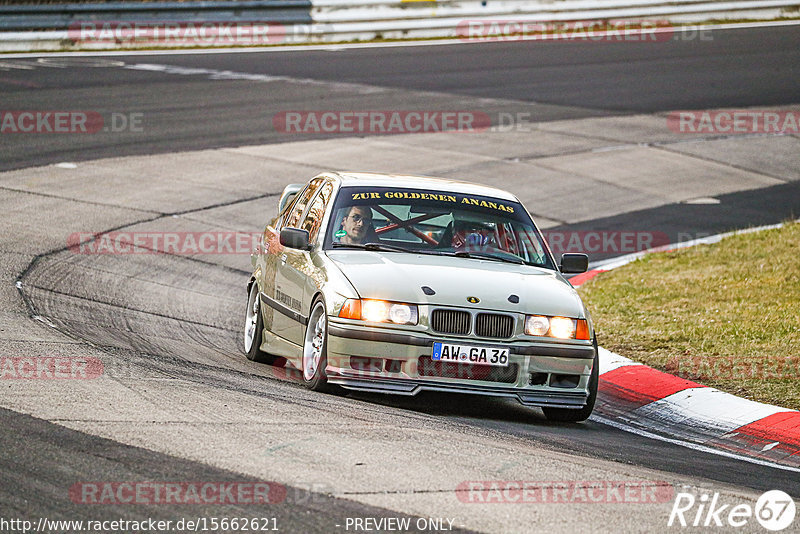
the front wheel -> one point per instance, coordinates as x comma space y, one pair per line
254, 329
315, 349
567, 415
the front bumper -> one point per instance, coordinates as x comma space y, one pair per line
384, 360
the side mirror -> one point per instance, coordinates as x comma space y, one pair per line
574, 263
295, 238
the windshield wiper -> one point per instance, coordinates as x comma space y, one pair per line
485, 256
373, 246
384, 247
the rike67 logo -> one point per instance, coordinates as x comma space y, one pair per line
774, 511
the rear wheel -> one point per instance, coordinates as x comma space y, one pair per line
567, 415
254, 329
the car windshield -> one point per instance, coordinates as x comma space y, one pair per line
443, 223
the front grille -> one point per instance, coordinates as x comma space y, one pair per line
494, 325
487, 373
450, 322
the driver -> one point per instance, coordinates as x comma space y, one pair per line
356, 224
471, 235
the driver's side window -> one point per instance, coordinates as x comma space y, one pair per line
316, 211
300, 205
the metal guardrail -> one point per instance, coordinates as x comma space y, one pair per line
352, 11
56, 26
62, 16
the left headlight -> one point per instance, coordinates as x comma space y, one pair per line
558, 327
379, 311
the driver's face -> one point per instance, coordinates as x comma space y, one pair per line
356, 224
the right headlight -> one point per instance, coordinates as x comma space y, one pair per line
379, 311
557, 327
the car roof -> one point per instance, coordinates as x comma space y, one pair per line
424, 183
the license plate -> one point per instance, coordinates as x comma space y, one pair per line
476, 355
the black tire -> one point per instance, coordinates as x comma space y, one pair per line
318, 380
569, 415
255, 353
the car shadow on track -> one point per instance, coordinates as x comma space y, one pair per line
463, 406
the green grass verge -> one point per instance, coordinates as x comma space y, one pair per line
726, 315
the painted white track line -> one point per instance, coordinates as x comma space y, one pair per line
707, 408
689, 445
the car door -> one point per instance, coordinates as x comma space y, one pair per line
266, 265
303, 261
290, 279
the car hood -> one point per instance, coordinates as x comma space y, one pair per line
400, 277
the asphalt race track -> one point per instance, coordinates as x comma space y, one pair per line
178, 400
734, 69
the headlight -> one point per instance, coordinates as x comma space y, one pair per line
374, 310
562, 328
401, 314
558, 327
379, 311
536, 325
